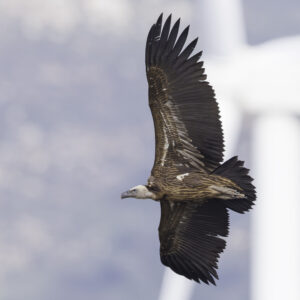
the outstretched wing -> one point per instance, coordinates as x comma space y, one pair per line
185, 113
190, 241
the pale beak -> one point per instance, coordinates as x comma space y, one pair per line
127, 194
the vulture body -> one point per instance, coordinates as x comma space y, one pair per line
194, 189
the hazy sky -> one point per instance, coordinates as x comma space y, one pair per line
75, 132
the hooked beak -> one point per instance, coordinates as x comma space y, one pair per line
127, 194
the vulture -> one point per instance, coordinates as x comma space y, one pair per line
195, 189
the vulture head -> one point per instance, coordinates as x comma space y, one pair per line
139, 192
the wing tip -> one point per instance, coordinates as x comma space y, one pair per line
159, 20
165, 46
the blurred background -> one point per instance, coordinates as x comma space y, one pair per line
76, 131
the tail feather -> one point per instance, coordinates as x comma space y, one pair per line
234, 169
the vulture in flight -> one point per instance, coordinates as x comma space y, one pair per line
194, 188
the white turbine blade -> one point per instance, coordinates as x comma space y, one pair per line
276, 221
221, 25
175, 287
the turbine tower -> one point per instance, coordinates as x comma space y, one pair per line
261, 81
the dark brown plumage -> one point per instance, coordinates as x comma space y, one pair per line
194, 190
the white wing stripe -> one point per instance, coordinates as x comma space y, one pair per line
166, 146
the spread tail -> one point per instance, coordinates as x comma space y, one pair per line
234, 169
